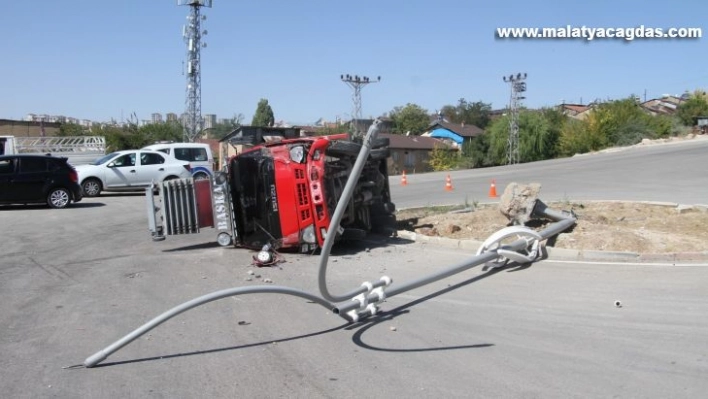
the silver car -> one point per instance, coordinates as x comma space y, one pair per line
129, 170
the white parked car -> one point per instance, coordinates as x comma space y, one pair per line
130, 170
198, 155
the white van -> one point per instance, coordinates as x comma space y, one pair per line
199, 156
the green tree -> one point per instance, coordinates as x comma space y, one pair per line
411, 118
497, 136
153, 132
117, 139
72, 129
264, 114
556, 121
689, 110
538, 137
577, 138
620, 122
665, 125
442, 158
477, 113
475, 152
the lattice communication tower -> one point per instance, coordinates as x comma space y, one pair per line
192, 33
356, 82
518, 86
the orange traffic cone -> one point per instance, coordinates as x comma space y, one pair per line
448, 184
493, 189
404, 181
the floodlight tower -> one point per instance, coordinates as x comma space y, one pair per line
192, 34
356, 82
518, 86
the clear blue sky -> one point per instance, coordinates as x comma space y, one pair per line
103, 59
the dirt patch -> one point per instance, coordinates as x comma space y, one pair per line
601, 226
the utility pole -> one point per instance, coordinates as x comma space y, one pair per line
356, 82
518, 86
192, 34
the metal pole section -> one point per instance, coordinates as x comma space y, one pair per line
339, 213
104, 353
460, 267
563, 222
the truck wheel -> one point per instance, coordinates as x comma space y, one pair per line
341, 149
92, 187
384, 224
380, 153
351, 234
381, 142
58, 198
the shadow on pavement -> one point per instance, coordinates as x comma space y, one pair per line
29, 207
360, 329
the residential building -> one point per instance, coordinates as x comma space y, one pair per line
209, 121
412, 153
666, 105
156, 117
172, 117
575, 111
455, 134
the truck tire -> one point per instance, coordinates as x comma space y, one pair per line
384, 224
341, 149
380, 153
91, 187
381, 142
353, 234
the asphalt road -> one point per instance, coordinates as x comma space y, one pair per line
672, 172
74, 281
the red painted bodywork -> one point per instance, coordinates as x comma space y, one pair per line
300, 187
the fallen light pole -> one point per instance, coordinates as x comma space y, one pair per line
364, 301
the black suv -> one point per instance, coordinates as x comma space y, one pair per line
28, 179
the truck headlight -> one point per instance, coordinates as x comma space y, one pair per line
297, 154
308, 234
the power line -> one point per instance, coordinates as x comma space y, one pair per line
518, 86
356, 82
192, 34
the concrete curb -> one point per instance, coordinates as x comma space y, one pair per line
583, 255
566, 254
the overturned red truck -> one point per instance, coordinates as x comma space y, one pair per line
282, 194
